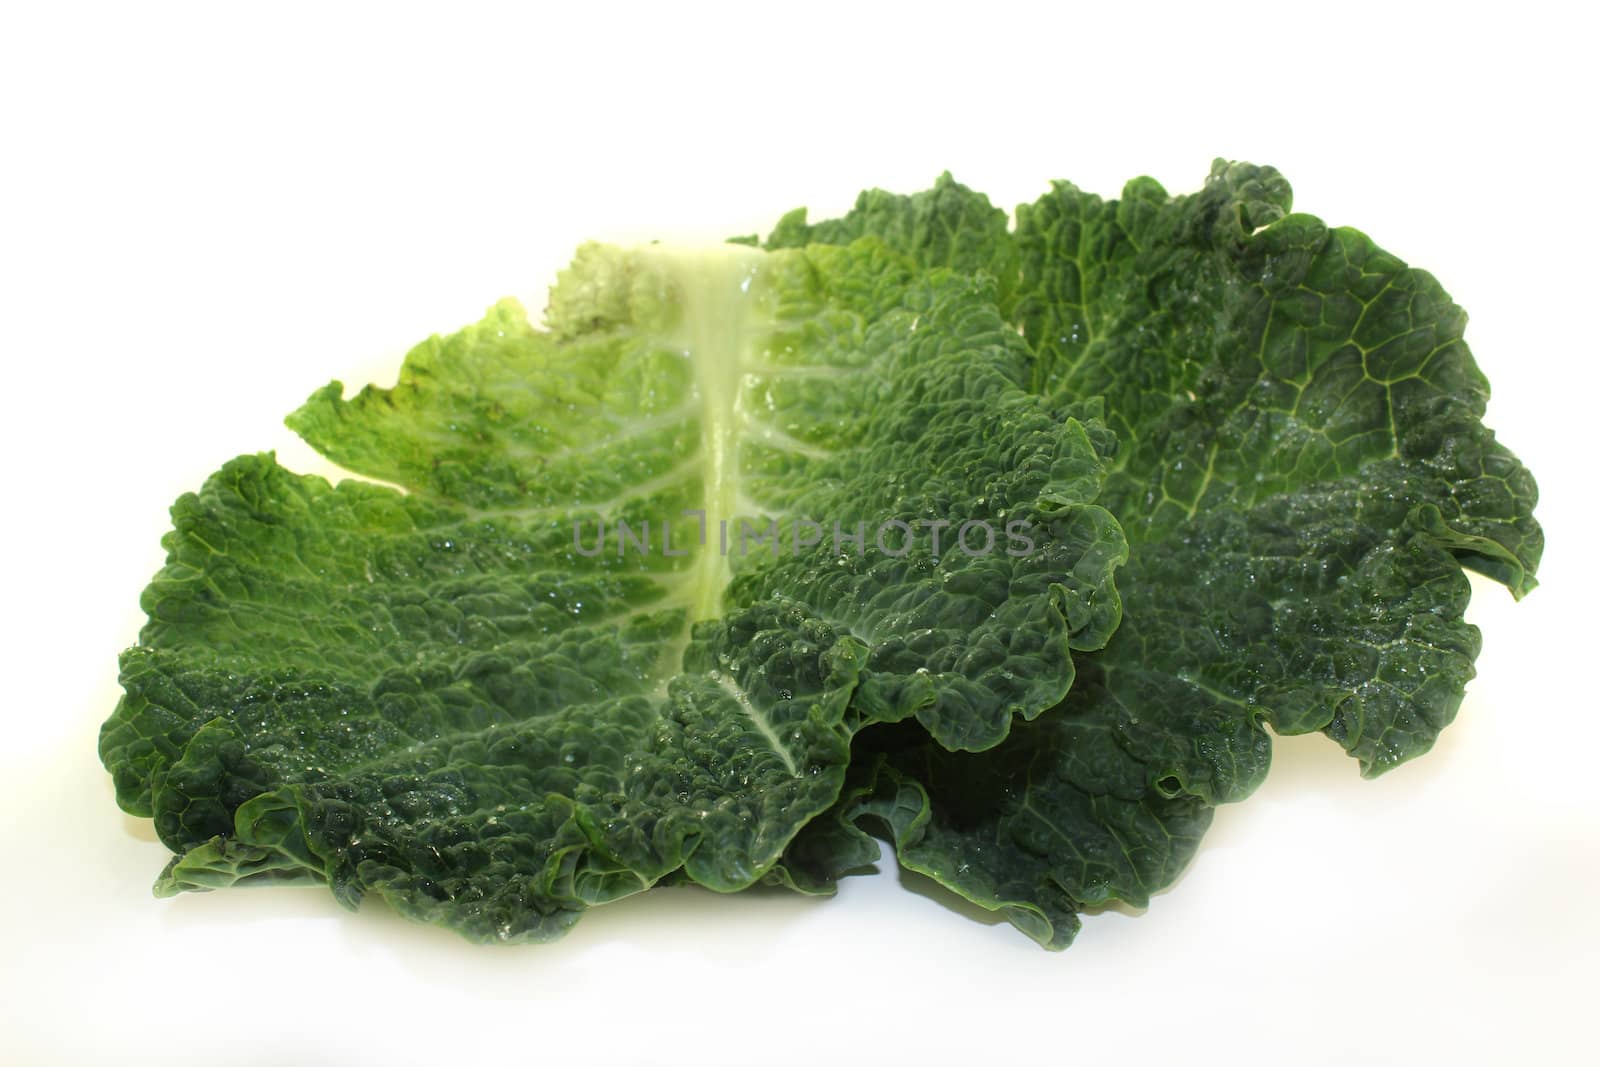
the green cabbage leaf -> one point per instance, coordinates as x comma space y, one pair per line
447, 687
1298, 457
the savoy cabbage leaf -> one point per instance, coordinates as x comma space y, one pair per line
443, 695
1303, 473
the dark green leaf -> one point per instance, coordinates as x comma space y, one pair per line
1303, 473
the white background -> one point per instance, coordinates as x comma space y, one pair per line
207, 213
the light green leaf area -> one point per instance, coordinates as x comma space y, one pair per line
1303, 474
946, 226
453, 695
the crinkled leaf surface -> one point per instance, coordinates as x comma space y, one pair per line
946, 226
1302, 471
449, 697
